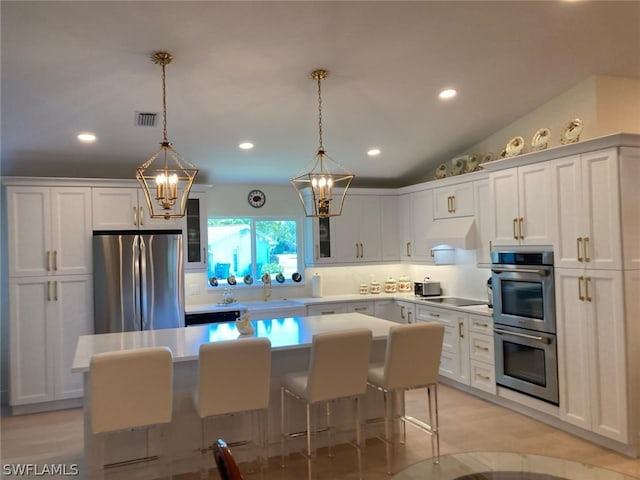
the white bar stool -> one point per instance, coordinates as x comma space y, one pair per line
234, 377
412, 360
338, 367
131, 389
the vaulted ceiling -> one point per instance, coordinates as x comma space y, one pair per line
241, 73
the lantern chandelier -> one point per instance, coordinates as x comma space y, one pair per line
322, 189
167, 183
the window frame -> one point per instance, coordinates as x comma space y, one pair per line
252, 223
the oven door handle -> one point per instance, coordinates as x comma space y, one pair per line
540, 272
522, 335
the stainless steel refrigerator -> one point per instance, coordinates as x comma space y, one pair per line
138, 280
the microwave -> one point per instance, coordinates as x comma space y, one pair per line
426, 289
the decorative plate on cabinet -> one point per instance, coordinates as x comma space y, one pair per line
487, 157
248, 280
515, 146
571, 133
458, 165
472, 163
540, 139
441, 171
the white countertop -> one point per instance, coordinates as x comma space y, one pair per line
284, 334
353, 297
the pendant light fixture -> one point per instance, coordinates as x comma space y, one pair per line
166, 178
322, 189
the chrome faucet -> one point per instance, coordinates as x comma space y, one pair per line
266, 287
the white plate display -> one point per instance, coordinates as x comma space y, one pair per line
248, 280
503, 153
540, 139
472, 163
487, 157
571, 133
458, 165
515, 146
441, 171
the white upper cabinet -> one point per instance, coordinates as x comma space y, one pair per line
125, 208
586, 194
365, 232
415, 221
453, 201
484, 221
49, 230
195, 241
521, 205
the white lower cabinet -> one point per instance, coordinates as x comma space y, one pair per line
592, 351
326, 308
467, 348
47, 314
454, 362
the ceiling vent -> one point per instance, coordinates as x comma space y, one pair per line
146, 119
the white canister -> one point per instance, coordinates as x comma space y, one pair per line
390, 285
364, 289
316, 285
374, 287
404, 284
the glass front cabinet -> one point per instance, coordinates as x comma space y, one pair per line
195, 238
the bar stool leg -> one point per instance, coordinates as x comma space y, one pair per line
310, 452
358, 436
284, 430
388, 428
433, 422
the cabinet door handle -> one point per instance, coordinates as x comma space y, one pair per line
329, 312
449, 204
402, 312
135, 216
485, 349
586, 289
580, 295
48, 291
586, 250
317, 252
483, 325
48, 260
204, 255
436, 315
409, 317
578, 247
461, 329
360, 309
55, 260
453, 204
515, 226
362, 250
408, 249
520, 227
431, 252
483, 377
55, 290
141, 209
357, 251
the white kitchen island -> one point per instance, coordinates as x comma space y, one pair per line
290, 341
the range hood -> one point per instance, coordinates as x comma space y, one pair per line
456, 232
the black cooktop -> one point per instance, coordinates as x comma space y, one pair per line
458, 302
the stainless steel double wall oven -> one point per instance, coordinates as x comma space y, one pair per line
525, 321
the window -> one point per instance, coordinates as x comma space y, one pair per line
249, 247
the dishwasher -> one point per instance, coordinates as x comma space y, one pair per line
211, 317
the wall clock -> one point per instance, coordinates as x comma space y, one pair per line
256, 198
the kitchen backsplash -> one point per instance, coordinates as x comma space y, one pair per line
464, 279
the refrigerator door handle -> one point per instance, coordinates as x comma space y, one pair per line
137, 294
145, 315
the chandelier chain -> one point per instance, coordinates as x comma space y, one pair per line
321, 147
164, 105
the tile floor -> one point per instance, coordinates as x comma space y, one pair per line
467, 424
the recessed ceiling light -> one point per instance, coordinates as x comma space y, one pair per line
373, 152
246, 145
448, 93
86, 137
